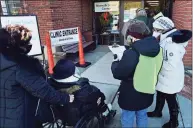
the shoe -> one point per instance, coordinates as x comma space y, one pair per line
173, 123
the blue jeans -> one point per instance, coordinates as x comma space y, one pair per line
127, 118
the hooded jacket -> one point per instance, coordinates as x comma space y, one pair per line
129, 98
22, 83
171, 76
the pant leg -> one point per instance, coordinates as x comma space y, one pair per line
160, 101
127, 119
171, 100
141, 118
173, 106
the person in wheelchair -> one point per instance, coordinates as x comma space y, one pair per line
87, 97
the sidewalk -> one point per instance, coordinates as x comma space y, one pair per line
100, 73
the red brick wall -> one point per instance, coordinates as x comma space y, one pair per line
58, 14
87, 14
182, 17
43, 12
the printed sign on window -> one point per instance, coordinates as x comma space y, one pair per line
107, 6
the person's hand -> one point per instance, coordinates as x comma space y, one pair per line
71, 98
115, 57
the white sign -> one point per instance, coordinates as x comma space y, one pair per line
64, 36
29, 22
106, 6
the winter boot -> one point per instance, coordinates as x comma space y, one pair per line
173, 123
160, 101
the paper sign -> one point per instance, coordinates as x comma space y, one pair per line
118, 50
106, 6
64, 36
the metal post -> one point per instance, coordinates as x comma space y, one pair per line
121, 20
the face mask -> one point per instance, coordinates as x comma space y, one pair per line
156, 34
25, 49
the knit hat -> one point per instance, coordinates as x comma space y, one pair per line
137, 29
63, 69
163, 23
141, 12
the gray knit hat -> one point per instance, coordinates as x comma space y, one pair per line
137, 29
141, 12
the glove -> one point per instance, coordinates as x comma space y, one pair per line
115, 57
119, 55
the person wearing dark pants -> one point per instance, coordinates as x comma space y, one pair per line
172, 104
171, 75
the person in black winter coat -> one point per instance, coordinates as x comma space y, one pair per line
22, 81
132, 102
88, 97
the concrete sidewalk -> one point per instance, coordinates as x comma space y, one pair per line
100, 73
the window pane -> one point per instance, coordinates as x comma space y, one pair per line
14, 6
130, 9
3, 4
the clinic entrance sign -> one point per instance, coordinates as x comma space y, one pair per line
30, 22
64, 36
111, 6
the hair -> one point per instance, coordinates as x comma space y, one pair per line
14, 38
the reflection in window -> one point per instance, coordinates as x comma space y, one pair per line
11, 7
130, 9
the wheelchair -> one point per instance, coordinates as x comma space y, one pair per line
94, 117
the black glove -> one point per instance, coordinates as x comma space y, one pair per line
115, 57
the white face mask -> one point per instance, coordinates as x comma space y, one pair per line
156, 34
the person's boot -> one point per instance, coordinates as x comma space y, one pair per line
173, 123
160, 101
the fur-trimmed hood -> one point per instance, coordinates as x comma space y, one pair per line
181, 36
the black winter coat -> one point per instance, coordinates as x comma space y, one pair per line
22, 82
129, 98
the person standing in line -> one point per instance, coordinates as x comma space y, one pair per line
137, 88
171, 76
141, 15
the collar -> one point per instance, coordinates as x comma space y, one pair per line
73, 78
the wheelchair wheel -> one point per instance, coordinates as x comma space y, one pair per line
57, 124
90, 120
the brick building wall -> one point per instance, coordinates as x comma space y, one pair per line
182, 17
58, 14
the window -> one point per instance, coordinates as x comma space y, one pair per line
130, 8
4, 7
10, 7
